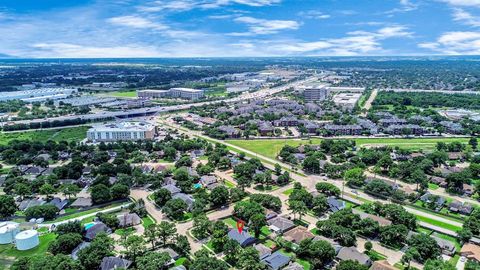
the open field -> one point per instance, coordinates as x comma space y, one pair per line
128, 94
67, 134
9, 251
271, 148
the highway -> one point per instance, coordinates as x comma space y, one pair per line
262, 93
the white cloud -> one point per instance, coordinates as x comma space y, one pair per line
263, 27
63, 50
184, 5
405, 6
455, 43
386, 32
314, 14
136, 22
465, 17
464, 3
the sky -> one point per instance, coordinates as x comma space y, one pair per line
237, 28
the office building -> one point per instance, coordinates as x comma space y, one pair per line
346, 101
153, 93
317, 93
38, 95
123, 131
186, 93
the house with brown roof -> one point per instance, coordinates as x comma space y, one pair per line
298, 234
471, 252
382, 265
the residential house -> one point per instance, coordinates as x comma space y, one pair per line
95, 229
276, 261
280, 225
455, 156
334, 244
298, 234
265, 128
173, 255
471, 252
244, 239
428, 197
468, 189
263, 251
209, 181
351, 253
460, 207
294, 266
188, 199
75, 251
59, 203
27, 203
34, 170
386, 122
406, 129
172, 188
269, 214
343, 129
440, 181
230, 131
111, 263
382, 265
447, 247
335, 204
82, 202
128, 220
381, 220
452, 127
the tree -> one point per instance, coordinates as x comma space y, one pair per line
175, 208
109, 219
183, 162
351, 265
47, 190
65, 243
368, 246
134, 246
257, 221
119, 191
201, 226
219, 196
7, 206
231, 249
100, 194
151, 234
278, 169
311, 164
162, 196
153, 261
244, 210
204, 261
22, 190
320, 205
355, 177
182, 246
298, 207
328, 189
473, 142
249, 260
101, 247
166, 231
425, 246
319, 253
268, 201
438, 265
393, 235
46, 262
46, 211
74, 227
70, 190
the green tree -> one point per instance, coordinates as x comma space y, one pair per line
153, 261
351, 265
355, 177
100, 194
166, 231
175, 208
134, 246
7, 206
257, 221
162, 196
65, 243
219, 196
101, 247
249, 260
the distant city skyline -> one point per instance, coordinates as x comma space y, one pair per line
237, 28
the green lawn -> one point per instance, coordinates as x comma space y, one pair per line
438, 223
375, 256
432, 186
129, 94
288, 191
126, 231
147, 221
10, 250
82, 213
67, 134
229, 184
271, 148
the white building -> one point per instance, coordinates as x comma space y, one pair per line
123, 131
346, 101
153, 93
316, 93
40, 94
186, 93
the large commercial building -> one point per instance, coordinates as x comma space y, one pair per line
123, 131
346, 101
315, 93
41, 94
185, 93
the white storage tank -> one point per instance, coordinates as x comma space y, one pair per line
8, 230
27, 240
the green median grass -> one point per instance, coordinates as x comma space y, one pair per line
83, 213
438, 223
61, 134
271, 148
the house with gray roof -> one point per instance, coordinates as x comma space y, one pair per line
263, 251
94, 230
447, 247
82, 202
280, 225
351, 253
172, 189
59, 203
188, 199
111, 263
128, 220
335, 204
276, 260
244, 239
294, 266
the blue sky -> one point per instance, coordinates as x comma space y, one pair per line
208, 28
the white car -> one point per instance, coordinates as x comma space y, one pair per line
463, 259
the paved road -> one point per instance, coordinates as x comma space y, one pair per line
368, 103
433, 91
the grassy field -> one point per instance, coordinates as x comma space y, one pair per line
270, 148
66, 134
9, 251
129, 94
438, 223
83, 213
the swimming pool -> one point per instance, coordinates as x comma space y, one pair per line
197, 185
89, 225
